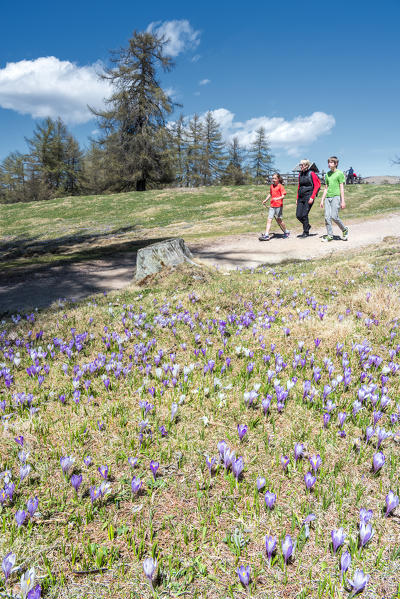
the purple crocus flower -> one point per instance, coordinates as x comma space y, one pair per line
366, 533
287, 548
32, 506
103, 470
315, 462
244, 574
365, 515
20, 441
136, 484
229, 457
76, 481
309, 480
306, 523
237, 467
94, 493
270, 546
284, 462
266, 402
154, 466
132, 462
338, 537
35, 593
20, 517
242, 430
261, 482
174, 410
342, 417
377, 461
326, 419
345, 561
359, 581
222, 445
66, 462
210, 463
369, 433
392, 501
87, 460
298, 451
24, 471
382, 435
149, 568
270, 499
8, 564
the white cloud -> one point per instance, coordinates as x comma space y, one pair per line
179, 35
204, 81
288, 135
51, 87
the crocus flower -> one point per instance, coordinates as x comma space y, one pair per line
366, 533
103, 470
326, 419
338, 537
149, 568
94, 493
342, 417
154, 466
237, 467
222, 445
32, 506
174, 410
261, 482
377, 461
27, 582
132, 462
66, 462
244, 574
266, 402
287, 548
369, 433
35, 592
24, 471
19, 440
345, 561
306, 523
359, 581
270, 499
7, 564
382, 435
315, 462
392, 501
298, 451
210, 463
365, 515
309, 480
242, 430
136, 485
229, 457
76, 481
87, 460
20, 517
285, 462
270, 546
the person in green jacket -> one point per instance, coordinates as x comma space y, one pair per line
333, 197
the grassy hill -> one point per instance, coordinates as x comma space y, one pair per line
304, 354
78, 227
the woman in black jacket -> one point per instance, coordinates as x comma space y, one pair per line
309, 185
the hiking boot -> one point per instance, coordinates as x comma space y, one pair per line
264, 237
286, 235
327, 238
345, 234
304, 235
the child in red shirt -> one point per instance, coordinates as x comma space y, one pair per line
276, 193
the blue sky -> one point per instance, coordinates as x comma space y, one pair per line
322, 77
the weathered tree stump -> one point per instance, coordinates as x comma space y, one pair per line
153, 258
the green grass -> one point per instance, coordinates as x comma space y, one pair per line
74, 228
202, 528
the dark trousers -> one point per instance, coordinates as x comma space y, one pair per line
302, 210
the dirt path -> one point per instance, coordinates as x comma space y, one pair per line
43, 286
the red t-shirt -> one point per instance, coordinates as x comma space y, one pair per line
276, 191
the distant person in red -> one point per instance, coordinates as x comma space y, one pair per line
307, 190
276, 194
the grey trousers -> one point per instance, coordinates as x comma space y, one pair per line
332, 207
